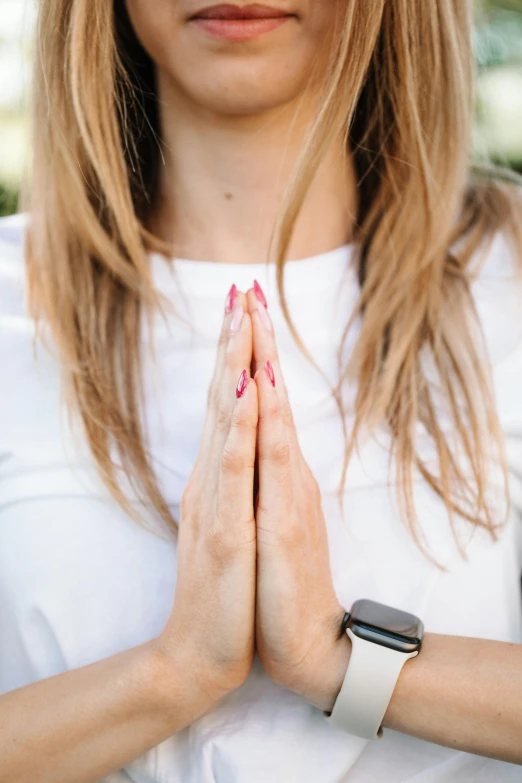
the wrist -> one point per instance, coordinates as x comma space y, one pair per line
383, 639
177, 682
320, 682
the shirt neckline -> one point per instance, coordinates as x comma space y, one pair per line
316, 271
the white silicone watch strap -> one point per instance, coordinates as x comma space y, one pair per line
368, 686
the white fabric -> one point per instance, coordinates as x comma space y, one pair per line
79, 581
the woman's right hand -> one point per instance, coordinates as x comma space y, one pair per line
88, 722
211, 627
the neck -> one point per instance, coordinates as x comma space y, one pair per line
224, 177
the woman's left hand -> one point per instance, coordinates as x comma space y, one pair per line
440, 697
298, 615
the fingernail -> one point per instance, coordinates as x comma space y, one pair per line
265, 320
258, 291
231, 299
236, 319
270, 372
242, 384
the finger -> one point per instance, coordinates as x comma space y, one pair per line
274, 454
236, 364
234, 352
258, 308
265, 348
235, 299
235, 507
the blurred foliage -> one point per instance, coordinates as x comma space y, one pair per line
516, 165
498, 33
498, 53
8, 200
510, 5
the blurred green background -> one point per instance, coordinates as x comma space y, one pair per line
498, 127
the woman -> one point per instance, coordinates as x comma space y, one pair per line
350, 439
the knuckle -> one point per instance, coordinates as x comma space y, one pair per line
230, 355
280, 453
269, 413
246, 424
286, 413
274, 407
218, 544
292, 536
222, 416
231, 462
221, 543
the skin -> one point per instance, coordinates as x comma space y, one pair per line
232, 132
231, 136
79, 726
461, 692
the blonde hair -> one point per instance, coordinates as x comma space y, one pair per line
399, 90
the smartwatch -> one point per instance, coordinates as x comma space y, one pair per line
382, 640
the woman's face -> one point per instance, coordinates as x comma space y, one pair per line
236, 67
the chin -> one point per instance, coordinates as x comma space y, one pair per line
242, 79
233, 77
236, 88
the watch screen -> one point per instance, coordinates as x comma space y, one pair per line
386, 618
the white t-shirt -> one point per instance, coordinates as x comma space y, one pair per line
80, 581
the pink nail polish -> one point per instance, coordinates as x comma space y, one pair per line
231, 299
242, 384
258, 291
265, 319
237, 319
270, 372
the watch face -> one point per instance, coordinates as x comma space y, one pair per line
387, 626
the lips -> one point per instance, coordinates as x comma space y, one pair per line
228, 11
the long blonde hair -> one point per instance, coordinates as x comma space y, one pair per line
400, 89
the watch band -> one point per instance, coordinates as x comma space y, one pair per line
371, 677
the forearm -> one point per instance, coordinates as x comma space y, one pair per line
464, 693
461, 692
79, 726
